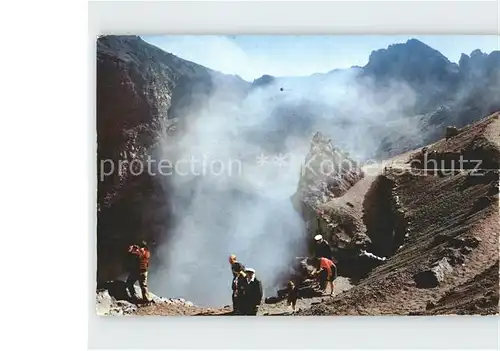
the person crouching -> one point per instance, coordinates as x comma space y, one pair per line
326, 271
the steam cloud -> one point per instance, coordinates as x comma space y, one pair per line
251, 214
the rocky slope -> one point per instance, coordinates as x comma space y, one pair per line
112, 299
327, 175
443, 244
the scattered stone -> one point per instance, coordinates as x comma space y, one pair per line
415, 313
454, 256
483, 202
272, 299
466, 250
126, 307
473, 241
458, 243
106, 305
434, 276
451, 131
112, 298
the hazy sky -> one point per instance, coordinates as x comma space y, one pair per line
251, 56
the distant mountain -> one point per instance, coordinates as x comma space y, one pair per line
413, 62
446, 93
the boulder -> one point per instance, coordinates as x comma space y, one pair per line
272, 299
112, 298
106, 305
451, 131
433, 277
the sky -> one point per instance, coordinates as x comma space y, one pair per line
251, 56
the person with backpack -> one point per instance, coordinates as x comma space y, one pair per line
138, 265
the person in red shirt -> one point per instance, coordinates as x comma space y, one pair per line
138, 269
326, 271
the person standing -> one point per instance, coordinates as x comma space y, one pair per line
322, 248
292, 295
253, 293
238, 283
138, 265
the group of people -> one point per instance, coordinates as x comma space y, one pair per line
325, 271
246, 289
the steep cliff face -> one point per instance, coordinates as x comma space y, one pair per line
328, 173
133, 98
142, 93
139, 87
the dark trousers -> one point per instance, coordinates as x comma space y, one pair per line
250, 310
323, 275
236, 305
142, 277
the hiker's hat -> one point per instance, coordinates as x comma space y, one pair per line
318, 237
250, 270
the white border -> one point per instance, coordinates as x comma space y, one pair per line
142, 18
294, 17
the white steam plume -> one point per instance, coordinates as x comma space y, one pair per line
249, 213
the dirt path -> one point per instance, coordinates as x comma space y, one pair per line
278, 309
281, 309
